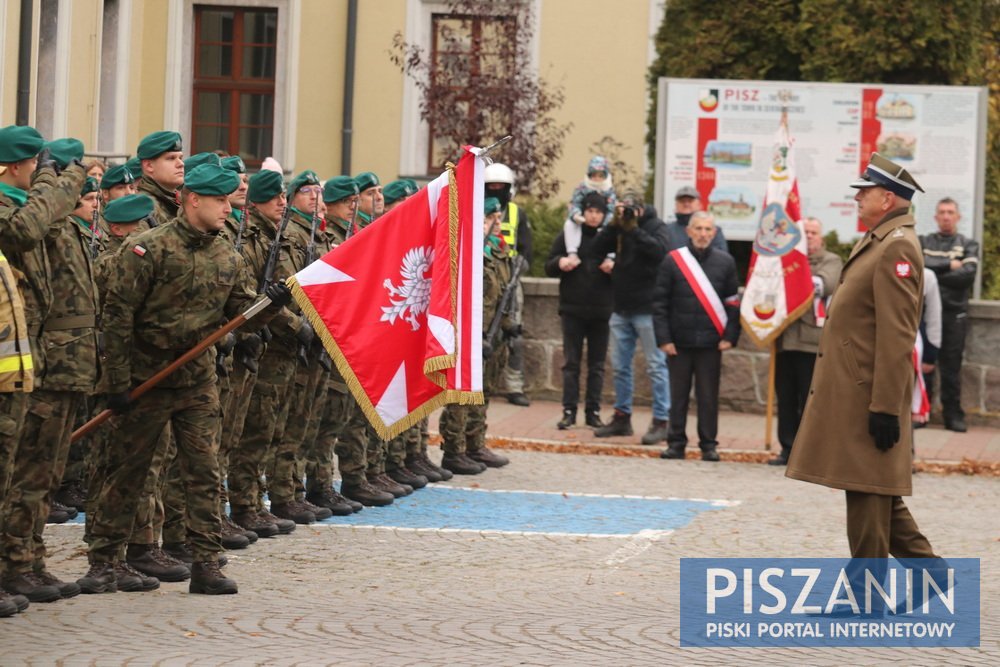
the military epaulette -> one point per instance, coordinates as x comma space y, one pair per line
139, 250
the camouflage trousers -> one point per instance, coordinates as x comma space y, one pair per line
314, 463
409, 443
283, 471
80, 451
265, 415
194, 417
352, 446
234, 411
463, 428
37, 474
340, 406
378, 452
13, 407
170, 521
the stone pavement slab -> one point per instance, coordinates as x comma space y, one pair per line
353, 595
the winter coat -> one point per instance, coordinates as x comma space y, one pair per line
586, 290
638, 255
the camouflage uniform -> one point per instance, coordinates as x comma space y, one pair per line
170, 288
165, 204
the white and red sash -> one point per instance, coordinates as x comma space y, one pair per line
920, 407
701, 287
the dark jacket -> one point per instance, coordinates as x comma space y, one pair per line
586, 290
678, 315
678, 235
638, 254
939, 250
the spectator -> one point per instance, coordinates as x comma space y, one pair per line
687, 202
639, 239
928, 347
585, 301
598, 180
697, 318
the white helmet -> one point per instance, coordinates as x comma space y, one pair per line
498, 173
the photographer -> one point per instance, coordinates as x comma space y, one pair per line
639, 240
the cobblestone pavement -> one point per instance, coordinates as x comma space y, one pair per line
330, 594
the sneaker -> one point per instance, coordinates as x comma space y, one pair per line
151, 560
408, 477
207, 579
100, 578
130, 580
251, 521
30, 586
67, 589
620, 424
461, 464
568, 420
293, 511
518, 398
593, 419
657, 432
487, 457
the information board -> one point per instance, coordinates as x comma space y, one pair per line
718, 136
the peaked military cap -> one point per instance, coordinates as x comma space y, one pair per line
339, 187
158, 143
365, 180
134, 167
491, 205
200, 159
19, 142
307, 177
401, 189
64, 151
265, 185
211, 180
117, 175
90, 184
234, 163
128, 209
884, 173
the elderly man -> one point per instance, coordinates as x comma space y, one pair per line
799, 343
696, 318
851, 437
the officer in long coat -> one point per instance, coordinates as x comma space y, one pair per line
855, 432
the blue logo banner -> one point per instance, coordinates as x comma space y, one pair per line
814, 602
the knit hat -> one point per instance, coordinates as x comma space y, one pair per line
595, 200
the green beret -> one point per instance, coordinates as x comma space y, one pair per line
158, 143
134, 167
491, 205
400, 189
264, 186
64, 151
200, 159
234, 163
307, 177
19, 142
89, 185
211, 180
365, 180
128, 209
117, 175
339, 187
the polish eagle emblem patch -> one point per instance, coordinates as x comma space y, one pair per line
413, 295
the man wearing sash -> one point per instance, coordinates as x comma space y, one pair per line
696, 318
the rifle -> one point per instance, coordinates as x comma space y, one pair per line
503, 308
352, 223
323, 359
94, 249
238, 245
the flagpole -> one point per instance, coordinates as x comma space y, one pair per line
770, 399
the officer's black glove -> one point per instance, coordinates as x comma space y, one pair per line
305, 334
46, 161
119, 402
278, 294
884, 428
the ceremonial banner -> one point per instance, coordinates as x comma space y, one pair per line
779, 284
399, 304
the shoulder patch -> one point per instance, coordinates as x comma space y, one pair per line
139, 250
903, 269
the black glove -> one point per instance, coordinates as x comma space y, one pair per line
46, 161
119, 402
226, 344
305, 334
278, 294
884, 428
250, 346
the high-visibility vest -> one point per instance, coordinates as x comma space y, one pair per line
16, 372
508, 228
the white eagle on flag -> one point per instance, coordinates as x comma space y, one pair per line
414, 294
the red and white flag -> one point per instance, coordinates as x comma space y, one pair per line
399, 305
779, 283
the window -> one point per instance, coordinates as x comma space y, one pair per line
235, 53
467, 51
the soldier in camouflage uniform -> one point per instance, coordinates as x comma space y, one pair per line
268, 406
162, 163
463, 427
116, 183
171, 287
66, 372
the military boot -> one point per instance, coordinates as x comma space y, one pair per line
417, 465
404, 475
366, 494
386, 483
460, 464
181, 551
592, 418
285, 526
151, 560
207, 579
488, 457
568, 419
30, 586
250, 520
319, 511
130, 580
100, 578
58, 513
72, 495
445, 474
232, 525
620, 424
232, 536
67, 589
657, 432
293, 511
56, 506
333, 501
8, 607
